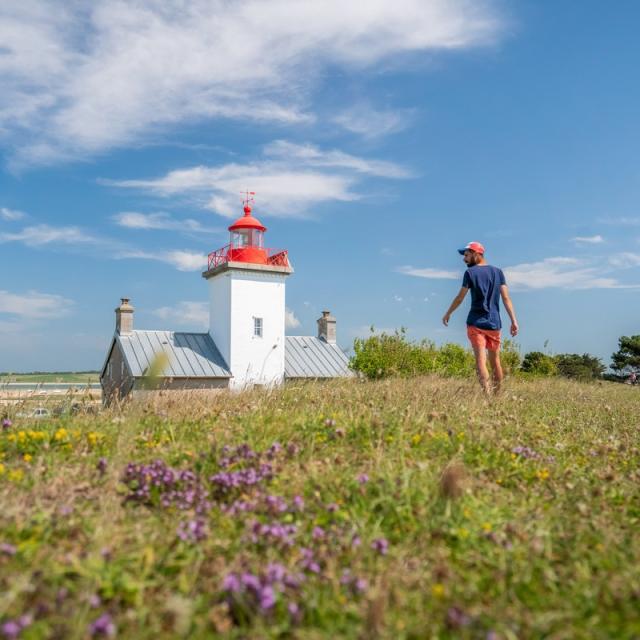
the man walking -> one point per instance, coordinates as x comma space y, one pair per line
487, 285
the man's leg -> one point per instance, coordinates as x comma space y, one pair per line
479, 351
496, 369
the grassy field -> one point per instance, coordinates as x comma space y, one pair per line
393, 509
58, 376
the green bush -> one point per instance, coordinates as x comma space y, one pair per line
540, 364
579, 367
510, 357
384, 355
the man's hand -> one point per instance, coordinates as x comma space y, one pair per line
514, 329
445, 319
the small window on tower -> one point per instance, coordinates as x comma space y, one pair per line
257, 327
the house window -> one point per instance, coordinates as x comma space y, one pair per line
257, 327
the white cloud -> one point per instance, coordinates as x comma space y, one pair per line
558, 272
312, 156
624, 260
561, 273
80, 78
43, 234
181, 260
289, 181
622, 221
432, 274
159, 221
597, 239
34, 305
186, 313
368, 122
290, 320
10, 214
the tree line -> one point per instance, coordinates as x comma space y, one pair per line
382, 355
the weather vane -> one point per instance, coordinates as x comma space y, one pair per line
248, 197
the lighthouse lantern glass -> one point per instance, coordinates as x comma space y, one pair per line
247, 238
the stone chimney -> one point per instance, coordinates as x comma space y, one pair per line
327, 328
124, 317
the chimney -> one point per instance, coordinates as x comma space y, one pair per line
327, 328
124, 317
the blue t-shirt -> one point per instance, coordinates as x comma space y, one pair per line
484, 281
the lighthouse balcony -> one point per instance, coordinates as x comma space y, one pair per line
250, 254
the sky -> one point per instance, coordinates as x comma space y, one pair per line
379, 138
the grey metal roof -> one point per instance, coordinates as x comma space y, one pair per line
310, 357
190, 355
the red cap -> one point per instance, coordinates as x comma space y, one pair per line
472, 246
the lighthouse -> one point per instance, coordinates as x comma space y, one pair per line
247, 303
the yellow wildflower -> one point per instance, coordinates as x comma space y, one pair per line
463, 533
486, 527
60, 434
1, 469
417, 438
16, 475
437, 590
27, 457
542, 474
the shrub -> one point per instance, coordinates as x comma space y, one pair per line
579, 367
383, 355
510, 357
540, 364
454, 360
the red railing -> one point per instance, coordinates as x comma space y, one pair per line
257, 255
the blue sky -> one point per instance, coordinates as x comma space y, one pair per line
378, 136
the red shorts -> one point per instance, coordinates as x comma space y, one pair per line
484, 338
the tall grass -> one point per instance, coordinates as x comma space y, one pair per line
409, 508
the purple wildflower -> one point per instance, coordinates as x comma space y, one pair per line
103, 626
308, 561
318, 533
363, 478
11, 629
356, 541
457, 618
192, 530
298, 503
6, 424
333, 507
274, 450
292, 449
525, 452
381, 545
339, 433
294, 611
101, 466
329, 422
7, 549
94, 601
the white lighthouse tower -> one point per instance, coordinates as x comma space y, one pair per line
247, 303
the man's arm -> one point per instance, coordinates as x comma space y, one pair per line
508, 305
457, 301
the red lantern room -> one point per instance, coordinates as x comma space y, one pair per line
247, 242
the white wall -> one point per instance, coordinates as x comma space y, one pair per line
236, 297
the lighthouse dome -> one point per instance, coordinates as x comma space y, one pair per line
247, 221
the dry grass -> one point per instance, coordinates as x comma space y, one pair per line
515, 518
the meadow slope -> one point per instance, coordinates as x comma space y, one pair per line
392, 509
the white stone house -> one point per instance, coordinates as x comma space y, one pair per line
245, 344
